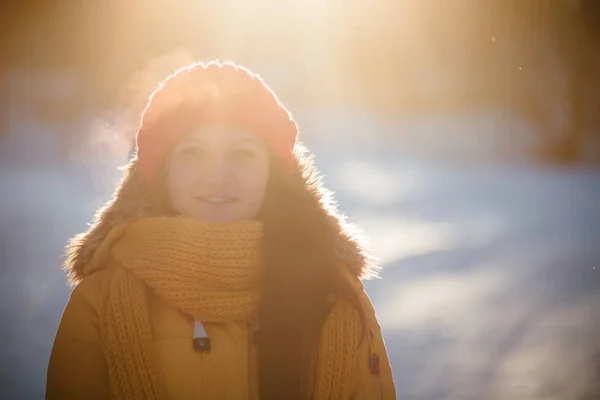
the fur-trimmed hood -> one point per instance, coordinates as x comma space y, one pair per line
132, 199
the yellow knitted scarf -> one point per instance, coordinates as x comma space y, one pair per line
210, 272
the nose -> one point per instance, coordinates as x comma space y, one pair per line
216, 171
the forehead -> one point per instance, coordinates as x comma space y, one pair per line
220, 134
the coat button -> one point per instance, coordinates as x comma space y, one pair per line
201, 344
374, 364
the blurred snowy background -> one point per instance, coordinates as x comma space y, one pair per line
478, 188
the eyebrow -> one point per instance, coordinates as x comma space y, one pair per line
201, 143
242, 141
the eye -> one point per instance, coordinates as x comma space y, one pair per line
192, 151
241, 154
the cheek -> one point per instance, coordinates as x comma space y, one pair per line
179, 181
256, 181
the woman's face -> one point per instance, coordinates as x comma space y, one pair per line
218, 174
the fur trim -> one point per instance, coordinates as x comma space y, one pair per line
128, 202
86, 252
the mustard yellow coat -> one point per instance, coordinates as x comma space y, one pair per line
77, 367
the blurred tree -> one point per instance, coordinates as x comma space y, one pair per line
575, 31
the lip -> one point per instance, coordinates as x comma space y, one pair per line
216, 199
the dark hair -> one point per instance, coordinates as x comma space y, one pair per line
300, 264
300, 276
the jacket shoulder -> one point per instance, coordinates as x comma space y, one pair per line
93, 286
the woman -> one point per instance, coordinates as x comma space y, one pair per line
220, 269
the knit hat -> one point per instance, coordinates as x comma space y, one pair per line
211, 93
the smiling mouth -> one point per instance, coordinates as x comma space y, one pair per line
216, 199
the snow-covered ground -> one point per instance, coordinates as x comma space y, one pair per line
491, 274
491, 279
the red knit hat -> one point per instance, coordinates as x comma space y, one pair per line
210, 93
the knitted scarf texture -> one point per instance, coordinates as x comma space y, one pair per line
212, 273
